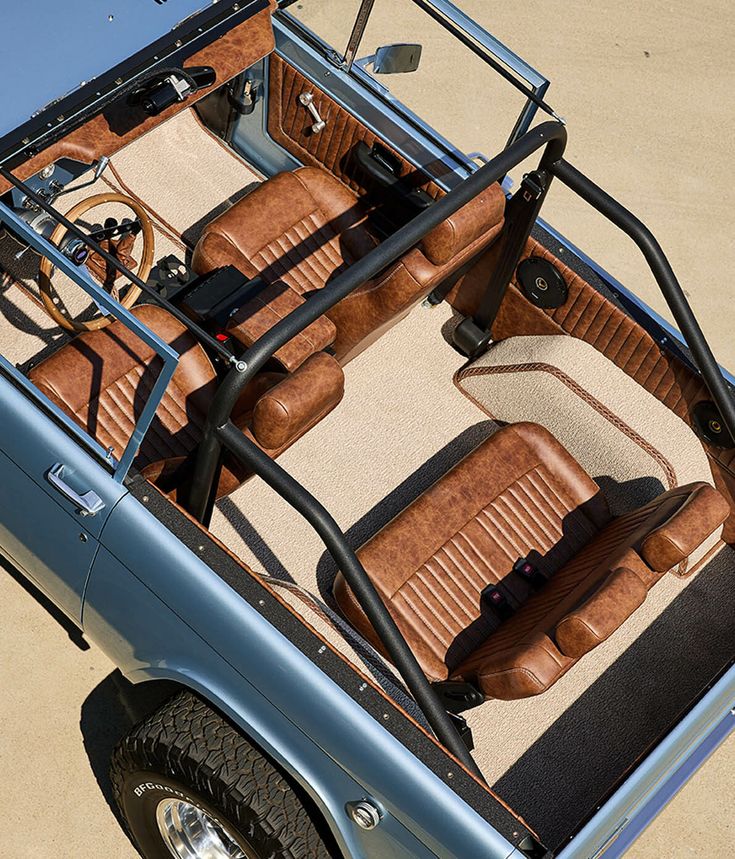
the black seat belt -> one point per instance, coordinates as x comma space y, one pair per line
472, 335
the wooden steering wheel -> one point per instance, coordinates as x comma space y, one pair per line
119, 244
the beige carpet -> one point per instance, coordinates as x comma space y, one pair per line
183, 174
401, 425
401, 416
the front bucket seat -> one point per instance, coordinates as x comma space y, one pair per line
305, 228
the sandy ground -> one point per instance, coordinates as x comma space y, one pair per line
647, 91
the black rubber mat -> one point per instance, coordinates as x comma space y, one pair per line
565, 775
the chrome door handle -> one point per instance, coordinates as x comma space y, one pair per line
89, 504
307, 100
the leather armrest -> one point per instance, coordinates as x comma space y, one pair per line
697, 518
300, 401
271, 305
619, 596
451, 237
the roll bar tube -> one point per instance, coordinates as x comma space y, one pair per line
665, 278
364, 590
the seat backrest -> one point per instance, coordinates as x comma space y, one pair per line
481, 216
299, 228
518, 495
102, 380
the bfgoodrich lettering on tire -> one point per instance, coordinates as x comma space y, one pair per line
188, 784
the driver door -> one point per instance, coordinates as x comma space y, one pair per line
55, 498
418, 74
58, 486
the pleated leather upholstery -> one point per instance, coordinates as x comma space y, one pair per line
441, 600
519, 495
104, 378
516, 496
301, 230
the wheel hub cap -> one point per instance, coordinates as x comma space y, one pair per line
191, 833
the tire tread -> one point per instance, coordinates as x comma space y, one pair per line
188, 740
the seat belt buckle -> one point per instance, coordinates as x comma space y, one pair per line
531, 188
492, 598
526, 570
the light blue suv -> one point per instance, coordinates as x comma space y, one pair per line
407, 526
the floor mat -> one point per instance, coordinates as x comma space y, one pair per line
183, 175
625, 438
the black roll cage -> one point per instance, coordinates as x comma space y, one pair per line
220, 432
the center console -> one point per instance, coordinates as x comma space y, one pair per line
228, 304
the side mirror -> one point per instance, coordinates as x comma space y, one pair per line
396, 59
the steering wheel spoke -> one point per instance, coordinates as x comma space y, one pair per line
117, 238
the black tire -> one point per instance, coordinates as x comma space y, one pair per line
186, 750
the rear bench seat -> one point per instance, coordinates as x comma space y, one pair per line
510, 568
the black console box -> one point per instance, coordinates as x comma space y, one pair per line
211, 299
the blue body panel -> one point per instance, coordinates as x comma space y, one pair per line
160, 612
41, 531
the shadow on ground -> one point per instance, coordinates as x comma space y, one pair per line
71, 629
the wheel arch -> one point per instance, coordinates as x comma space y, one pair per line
148, 687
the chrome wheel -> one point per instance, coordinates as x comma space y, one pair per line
191, 833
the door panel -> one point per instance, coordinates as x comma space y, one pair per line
42, 531
42, 540
289, 124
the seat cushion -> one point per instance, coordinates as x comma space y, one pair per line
521, 657
601, 613
518, 495
689, 525
289, 409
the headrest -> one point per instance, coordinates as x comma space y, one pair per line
300, 401
701, 514
465, 226
601, 614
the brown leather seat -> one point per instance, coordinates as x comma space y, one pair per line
102, 379
305, 228
520, 496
